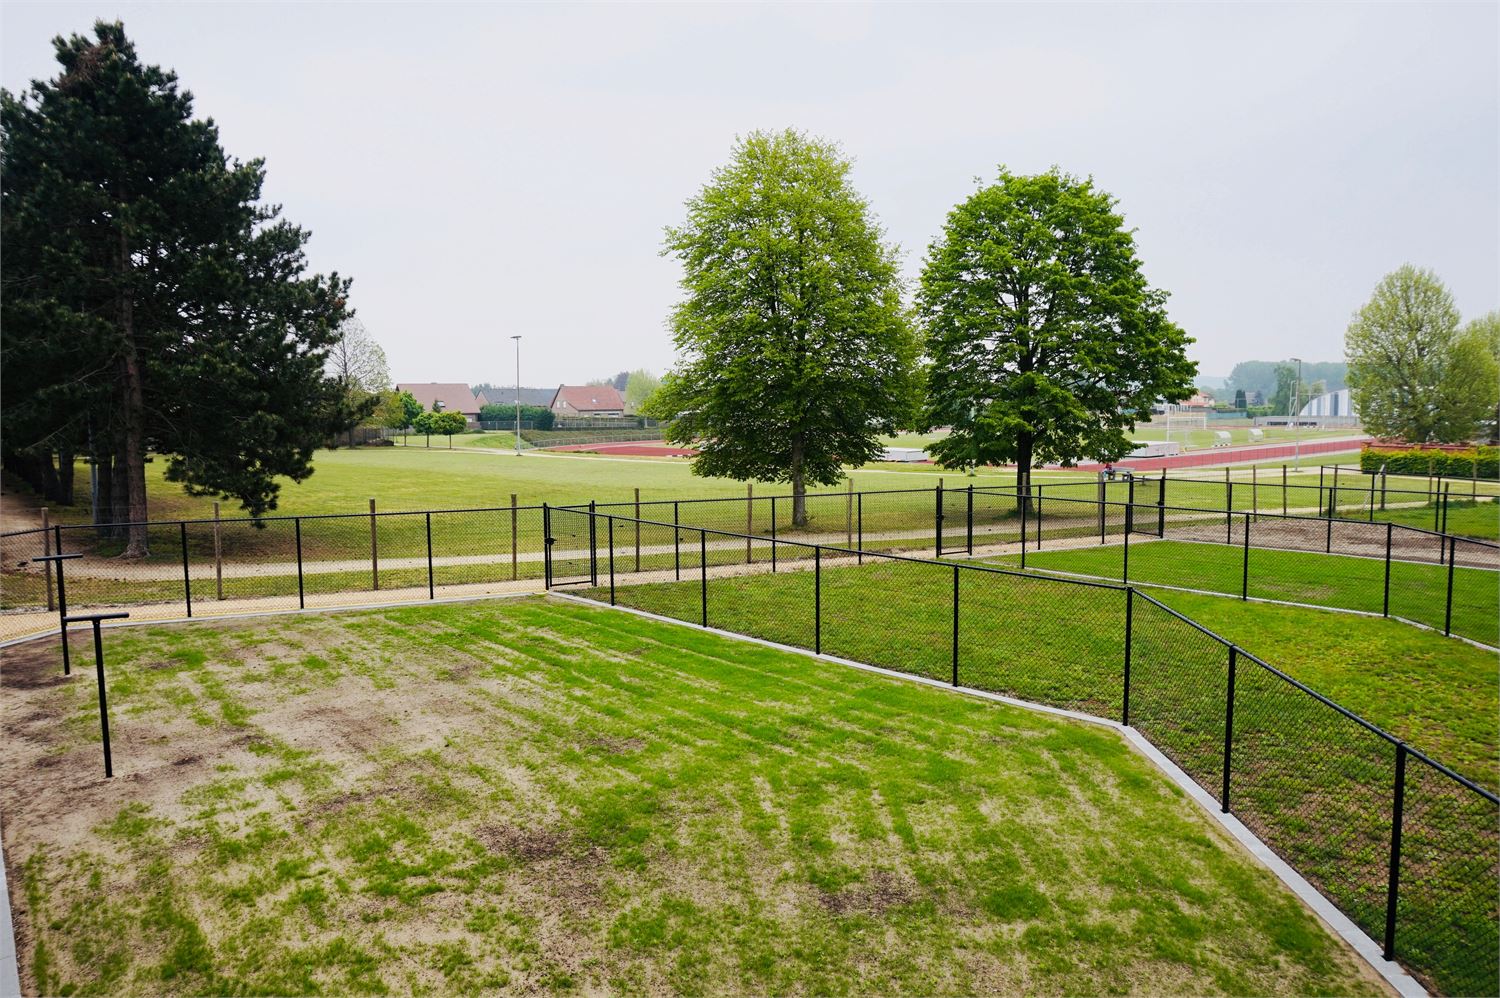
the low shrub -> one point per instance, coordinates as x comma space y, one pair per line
1483, 462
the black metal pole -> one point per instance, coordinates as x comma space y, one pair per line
62, 600
703, 578
937, 519
1161, 507
546, 546
1245, 572
818, 600
593, 547
109, 768
1038, 517
677, 539
1328, 542
1448, 611
1228, 728
301, 594
955, 625
859, 505
1025, 501
187, 584
1385, 610
611, 561
969, 531
1125, 558
1129, 622
1393, 878
1228, 512
431, 593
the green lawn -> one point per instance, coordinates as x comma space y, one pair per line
540, 797
1312, 783
1418, 591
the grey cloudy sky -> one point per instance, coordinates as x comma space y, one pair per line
486, 169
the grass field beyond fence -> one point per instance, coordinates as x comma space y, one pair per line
536, 796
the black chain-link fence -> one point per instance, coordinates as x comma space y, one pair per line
1409, 850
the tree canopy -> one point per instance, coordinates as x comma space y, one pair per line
796, 352
1413, 374
1046, 344
144, 283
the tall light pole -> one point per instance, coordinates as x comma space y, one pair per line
517, 338
1296, 418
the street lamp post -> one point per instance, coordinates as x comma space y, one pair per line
517, 338
1296, 417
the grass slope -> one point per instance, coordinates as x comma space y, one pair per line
1312, 783
1418, 591
531, 796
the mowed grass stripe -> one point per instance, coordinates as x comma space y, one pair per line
528, 795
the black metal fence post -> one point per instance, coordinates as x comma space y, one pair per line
1228, 728
773, 535
593, 547
546, 546
703, 574
859, 512
677, 540
301, 593
611, 561
937, 518
1393, 879
1161, 507
1245, 568
62, 599
1447, 490
969, 531
1385, 609
187, 583
955, 625
817, 600
1025, 501
1039, 518
1228, 512
1129, 627
1328, 541
95, 619
1448, 608
1125, 558
431, 589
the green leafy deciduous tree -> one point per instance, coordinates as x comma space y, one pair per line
1045, 341
639, 387
144, 283
797, 354
1413, 375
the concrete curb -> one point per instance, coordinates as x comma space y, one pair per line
1341, 925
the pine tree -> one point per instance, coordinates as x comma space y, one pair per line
145, 284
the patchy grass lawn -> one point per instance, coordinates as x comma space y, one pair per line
526, 796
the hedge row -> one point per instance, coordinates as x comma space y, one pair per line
1450, 464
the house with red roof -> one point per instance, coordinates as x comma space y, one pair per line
440, 396
587, 400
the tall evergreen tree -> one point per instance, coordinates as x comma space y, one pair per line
144, 283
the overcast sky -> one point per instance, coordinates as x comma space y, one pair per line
483, 170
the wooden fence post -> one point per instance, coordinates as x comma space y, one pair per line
218, 556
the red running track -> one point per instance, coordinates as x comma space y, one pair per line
1202, 457
632, 449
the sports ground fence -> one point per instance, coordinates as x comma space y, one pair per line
1406, 847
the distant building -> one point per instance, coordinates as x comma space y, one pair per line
507, 396
1200, 401
587, 400
1330, 404
440, 396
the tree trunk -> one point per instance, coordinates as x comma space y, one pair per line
104, 479
799, 487
65, 474
133, 416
